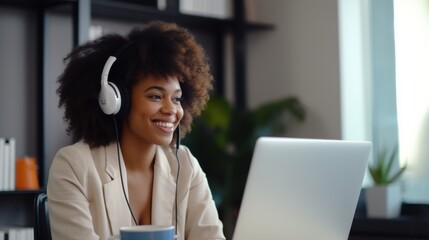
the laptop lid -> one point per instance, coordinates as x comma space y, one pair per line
302, 189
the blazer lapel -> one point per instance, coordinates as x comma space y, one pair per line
164, 190
116, 206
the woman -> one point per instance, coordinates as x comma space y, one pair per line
126, 100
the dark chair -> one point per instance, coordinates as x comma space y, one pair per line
42, 227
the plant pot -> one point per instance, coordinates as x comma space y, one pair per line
383, 201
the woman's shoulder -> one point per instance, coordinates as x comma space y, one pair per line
78, 148
75, 155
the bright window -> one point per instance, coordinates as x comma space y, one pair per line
412, 86
385, 83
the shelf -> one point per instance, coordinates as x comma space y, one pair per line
20, 3
135, 12
16, 208
34, 3
21, 192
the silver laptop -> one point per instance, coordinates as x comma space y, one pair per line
302, 189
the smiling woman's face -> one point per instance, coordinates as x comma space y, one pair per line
155, 110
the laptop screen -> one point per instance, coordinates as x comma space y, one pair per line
302, 189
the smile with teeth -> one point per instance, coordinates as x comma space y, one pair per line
164, 124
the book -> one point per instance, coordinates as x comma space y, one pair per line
12, 164
6, 167
210, 8
16, 233
7, 164
250, 11
2, 164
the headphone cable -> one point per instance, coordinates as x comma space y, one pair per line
120, 170
178, 170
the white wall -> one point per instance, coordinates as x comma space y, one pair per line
299, 57
319, 51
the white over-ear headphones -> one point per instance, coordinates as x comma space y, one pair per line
109, 97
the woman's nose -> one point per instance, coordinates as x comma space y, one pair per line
169, 107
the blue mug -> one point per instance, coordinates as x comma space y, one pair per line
147, 232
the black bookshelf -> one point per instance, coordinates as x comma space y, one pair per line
138, 12
16, 207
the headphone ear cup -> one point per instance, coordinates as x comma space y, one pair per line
110, 99
125, 99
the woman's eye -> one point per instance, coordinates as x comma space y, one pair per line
155, 97
178, 99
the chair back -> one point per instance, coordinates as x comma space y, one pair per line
42, 227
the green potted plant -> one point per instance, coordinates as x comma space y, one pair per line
381, 170
223, 139
384, 199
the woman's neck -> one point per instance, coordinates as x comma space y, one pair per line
138, 156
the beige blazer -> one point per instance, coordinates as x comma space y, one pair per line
86, 199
